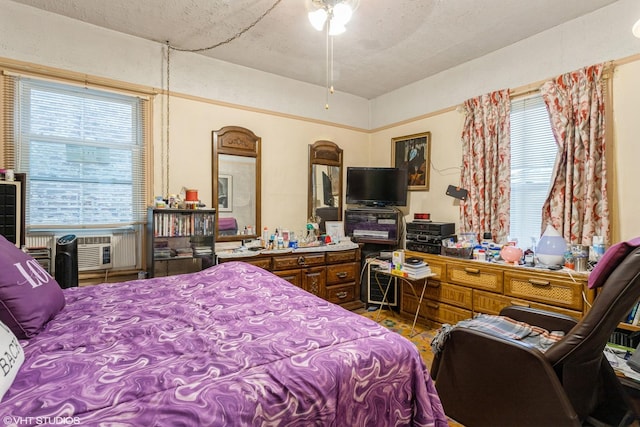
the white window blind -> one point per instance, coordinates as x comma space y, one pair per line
83, 153
533, 154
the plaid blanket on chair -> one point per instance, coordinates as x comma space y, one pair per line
500, 326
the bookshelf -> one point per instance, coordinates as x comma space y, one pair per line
12, 209
627, 334
629, 327
179, 240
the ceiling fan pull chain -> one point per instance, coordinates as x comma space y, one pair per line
326, 105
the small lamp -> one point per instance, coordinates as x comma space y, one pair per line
551, 247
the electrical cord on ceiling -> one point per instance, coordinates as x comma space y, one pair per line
232, 38
165, 146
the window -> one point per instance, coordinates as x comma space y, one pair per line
84, 155
533, 154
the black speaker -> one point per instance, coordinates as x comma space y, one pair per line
67, 261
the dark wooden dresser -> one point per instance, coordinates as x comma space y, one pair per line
333, 275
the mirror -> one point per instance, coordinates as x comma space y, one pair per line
236, 183
325, 182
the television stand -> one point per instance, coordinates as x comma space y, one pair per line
377, 229
376, 206
380, 225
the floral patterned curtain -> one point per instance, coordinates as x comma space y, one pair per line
577, 202
486, 165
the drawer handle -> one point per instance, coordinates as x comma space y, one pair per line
433, 284
302, 261
520, 304
539, 282
433, 305
342, 294
472, 270
341, 275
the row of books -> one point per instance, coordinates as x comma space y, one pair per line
178, 224
625, 339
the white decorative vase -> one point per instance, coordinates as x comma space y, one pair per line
551, 247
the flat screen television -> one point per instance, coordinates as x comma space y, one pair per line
372, 186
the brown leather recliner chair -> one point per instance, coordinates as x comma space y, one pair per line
485, 380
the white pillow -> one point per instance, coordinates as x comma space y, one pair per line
11, 358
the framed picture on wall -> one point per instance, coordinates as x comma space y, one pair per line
225, 193
412, 152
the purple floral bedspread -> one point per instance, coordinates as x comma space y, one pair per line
230, 345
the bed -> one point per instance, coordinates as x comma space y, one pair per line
229, 345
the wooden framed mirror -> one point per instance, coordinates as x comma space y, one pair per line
325, 182
236, 183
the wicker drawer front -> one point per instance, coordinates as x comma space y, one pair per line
489, 303
544, 288
341, 294
259, 262
341, 273
297, 261
433, 310
445, 313
409, 303
439, 269
341, 256
447, 293
475, 275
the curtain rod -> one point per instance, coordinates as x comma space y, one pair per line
530, 89
18, 68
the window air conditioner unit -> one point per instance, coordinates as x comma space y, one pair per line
95, 253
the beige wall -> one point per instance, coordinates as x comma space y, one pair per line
285, 145
626, 151
446, 153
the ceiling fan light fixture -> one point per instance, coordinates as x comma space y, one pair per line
342, 13
337, 12
318, 18
330, 16
636, 29
335, 28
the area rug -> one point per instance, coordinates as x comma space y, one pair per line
421, 336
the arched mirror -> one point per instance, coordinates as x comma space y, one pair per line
325, 182
236, 183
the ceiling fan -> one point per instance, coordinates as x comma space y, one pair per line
334, 13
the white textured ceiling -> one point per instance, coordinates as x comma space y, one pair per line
388, 43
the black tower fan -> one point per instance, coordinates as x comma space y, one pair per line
67, 261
